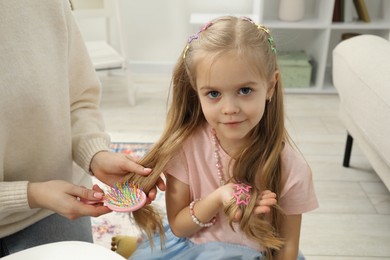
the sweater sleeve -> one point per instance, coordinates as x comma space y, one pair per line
13, 197
88, 136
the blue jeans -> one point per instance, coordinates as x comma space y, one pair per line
53, 228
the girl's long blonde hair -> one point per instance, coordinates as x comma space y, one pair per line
258, 163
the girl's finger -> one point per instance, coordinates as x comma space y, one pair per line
261, 210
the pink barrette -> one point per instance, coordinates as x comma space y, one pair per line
207, 25
242, 190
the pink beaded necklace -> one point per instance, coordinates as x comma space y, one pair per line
217, 157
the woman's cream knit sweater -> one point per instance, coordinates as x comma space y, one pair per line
49, 99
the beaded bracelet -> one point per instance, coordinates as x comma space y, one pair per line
196, 220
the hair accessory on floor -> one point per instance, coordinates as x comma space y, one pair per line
122, 197
242, 194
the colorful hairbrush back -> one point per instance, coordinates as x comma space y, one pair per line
122, 197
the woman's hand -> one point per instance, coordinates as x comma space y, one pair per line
64, 198
111, 168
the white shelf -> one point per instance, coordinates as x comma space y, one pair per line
202, 18
311, 23
376, 24
316, 34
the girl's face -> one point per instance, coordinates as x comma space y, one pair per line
232, 97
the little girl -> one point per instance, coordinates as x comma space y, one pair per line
224, 146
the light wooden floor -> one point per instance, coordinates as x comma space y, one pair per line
353, 220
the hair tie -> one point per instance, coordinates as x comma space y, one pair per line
242, 194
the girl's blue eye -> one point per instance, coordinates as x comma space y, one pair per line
213, 94
245, 91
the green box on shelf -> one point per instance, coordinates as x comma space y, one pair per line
295, 69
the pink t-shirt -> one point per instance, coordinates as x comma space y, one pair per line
195, 166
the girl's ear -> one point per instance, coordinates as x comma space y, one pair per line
272, 84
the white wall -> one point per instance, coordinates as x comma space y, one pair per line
86, 4
157, 30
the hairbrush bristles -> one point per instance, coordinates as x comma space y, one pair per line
124, 196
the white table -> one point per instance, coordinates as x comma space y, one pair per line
67, 250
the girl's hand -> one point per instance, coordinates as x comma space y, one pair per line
264, 202
226, 193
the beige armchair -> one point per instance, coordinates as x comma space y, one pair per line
361, 75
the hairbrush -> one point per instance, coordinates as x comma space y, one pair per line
122, 197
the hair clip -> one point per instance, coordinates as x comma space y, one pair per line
265, 29
271, 43
242, 193
207, 25
194, 37
245, 18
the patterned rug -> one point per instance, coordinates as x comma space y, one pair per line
114, 223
